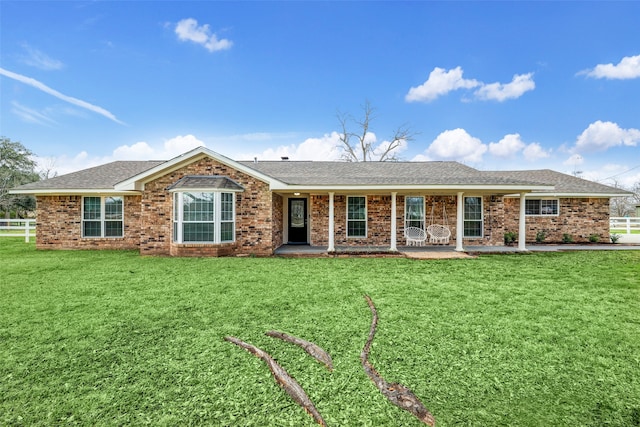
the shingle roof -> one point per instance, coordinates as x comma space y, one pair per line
102, 177
376, 173
563, 183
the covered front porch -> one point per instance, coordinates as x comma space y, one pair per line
351, 222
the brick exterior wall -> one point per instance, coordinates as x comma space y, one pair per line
59, 225
254, 215
578, 217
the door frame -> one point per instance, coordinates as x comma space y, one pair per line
287, 220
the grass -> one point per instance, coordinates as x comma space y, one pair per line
112, 338
624, 231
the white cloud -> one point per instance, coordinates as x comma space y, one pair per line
38, 59
169, 149
188, 30
507, 147
534, 151
627, 68
456, 144
440, 82
600, 136
326, 147
574, 160
46, 89
520, 84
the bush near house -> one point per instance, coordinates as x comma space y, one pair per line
112, 338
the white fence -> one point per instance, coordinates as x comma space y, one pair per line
628, 229
17, 228
624, 225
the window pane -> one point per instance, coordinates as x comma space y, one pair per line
472, 208
549, 207
357, 229
113, 229
197, 232
91, 229
226, 232
226, 207
473, 229
357, 208
92, 208
198, 206
532, 207
113, 208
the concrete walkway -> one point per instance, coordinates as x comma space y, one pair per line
439, 252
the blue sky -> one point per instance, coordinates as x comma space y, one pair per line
495, 85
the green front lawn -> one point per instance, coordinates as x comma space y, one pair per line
113, 338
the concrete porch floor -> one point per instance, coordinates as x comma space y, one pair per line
435, 251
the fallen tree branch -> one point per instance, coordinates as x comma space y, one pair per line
282, 377
397, 394
312, 349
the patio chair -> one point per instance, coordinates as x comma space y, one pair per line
415, 236
439, 234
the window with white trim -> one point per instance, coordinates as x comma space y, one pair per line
356, 216
414, 212
102, 216
203, 217
473, 223
541, 207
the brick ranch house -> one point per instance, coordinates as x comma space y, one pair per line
204, 204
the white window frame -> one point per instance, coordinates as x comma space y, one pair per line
178, 217
365, 220
481, 220
103, 220
408, 220
540, 200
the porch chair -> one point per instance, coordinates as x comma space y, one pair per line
415, 236
439, 234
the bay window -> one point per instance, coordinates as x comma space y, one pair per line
203, 217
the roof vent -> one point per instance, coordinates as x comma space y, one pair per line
284, 158
255, 160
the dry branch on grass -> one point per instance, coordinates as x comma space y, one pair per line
312, 349
286, 381
397, 394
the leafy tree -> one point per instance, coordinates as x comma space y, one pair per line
359, 146
16, 168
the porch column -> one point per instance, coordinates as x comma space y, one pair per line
394, 246
331, 239
460, 222
522, 225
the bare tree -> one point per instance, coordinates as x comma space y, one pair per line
359, 146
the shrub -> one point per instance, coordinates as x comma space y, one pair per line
567, 238
540, 236
510, 237
614, 238
594, 238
